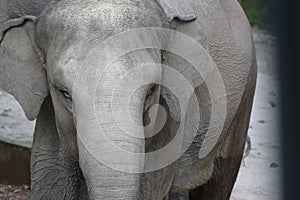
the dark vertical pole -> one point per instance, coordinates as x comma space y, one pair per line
287, 19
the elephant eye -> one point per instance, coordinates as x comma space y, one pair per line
66, 99
151, 90
66, 94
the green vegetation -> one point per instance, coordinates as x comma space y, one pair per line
257, 12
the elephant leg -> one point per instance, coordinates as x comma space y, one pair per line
54, 173
226, 168
179, 196
219, 187
227, 165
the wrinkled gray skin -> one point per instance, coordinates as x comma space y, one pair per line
38, 60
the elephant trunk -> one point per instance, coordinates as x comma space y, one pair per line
104, 180
111, 155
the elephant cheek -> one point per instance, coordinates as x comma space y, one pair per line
65, 127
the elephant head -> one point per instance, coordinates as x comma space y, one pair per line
104, 90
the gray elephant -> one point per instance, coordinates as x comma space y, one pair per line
95, 95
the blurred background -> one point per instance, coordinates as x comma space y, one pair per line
258, 13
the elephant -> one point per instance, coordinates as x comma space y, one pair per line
84, 70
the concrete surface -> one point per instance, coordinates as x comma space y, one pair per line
259, 176
14, 126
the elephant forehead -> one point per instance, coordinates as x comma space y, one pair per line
71, 28
104, 15
72, 67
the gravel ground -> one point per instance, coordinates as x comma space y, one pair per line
9, 192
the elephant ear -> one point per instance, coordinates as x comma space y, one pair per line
183, 19
21, 67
